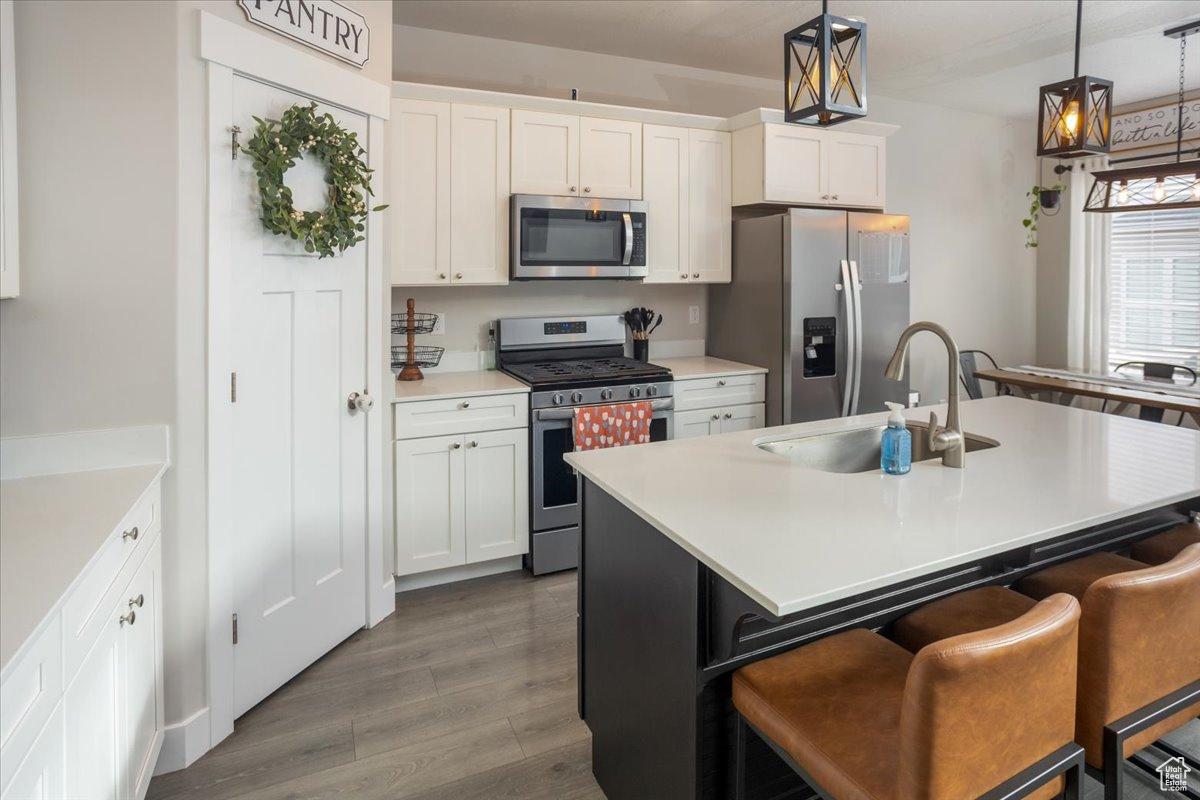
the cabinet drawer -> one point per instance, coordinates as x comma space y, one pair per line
719, 390
490, 412
28, 695
85, 609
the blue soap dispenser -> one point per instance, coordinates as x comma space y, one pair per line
895, 457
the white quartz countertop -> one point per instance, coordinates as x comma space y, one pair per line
703, 366
51, 526
792, 538
440, 385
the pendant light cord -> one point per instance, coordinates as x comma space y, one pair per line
1079, 25
1179, 111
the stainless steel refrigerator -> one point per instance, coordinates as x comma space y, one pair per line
819, 298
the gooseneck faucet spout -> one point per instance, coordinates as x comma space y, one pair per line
949, 441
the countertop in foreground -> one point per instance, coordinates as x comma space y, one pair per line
792, 538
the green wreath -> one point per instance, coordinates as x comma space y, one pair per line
275, 147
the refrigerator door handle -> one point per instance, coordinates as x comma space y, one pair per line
849, 385
856, 290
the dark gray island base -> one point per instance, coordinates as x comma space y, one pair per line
660, 635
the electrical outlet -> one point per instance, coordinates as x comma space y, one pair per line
439, 327
693, 315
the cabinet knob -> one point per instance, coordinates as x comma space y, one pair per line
474, 444
716, 417
131, 618
721, 382
466, 404
683, 277
587, 188
695, 274
835, 197
441, 276
728, 415
456, 445
132, 533
572, 189
137, 601
458, 276
824, 197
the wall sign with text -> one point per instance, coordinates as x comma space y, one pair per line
1156, 126
323, 25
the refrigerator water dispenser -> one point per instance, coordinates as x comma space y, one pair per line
820, 347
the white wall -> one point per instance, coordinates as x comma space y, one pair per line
961, 176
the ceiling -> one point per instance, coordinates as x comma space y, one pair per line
981, 55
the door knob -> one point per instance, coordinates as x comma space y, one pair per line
360, 402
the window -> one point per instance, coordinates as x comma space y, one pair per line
1154, 287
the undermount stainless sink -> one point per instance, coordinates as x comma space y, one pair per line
858, 450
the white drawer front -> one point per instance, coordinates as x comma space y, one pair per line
28, 695
490, 412
715, 391
85, 609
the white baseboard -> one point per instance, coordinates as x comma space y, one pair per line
437, 577
183, 743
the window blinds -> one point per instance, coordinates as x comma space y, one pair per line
1154, 287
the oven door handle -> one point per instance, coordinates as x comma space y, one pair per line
550, 414
628, 239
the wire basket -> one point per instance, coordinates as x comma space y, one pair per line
423, 356
422, 322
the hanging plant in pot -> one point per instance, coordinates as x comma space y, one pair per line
275, 148
1041, 198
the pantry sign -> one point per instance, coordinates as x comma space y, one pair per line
323, 25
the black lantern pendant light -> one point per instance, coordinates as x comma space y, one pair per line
1175, 184
1075, 116
825, 70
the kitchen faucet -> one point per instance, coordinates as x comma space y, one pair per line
949, 441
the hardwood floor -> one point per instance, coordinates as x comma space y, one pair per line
467, 692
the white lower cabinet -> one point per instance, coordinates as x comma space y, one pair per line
103, 736
40, 775
711, 421
462, 498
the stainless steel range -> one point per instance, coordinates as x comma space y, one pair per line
569, 363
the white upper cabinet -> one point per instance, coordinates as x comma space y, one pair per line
857, 170
610, 158
479, 158
710, 224
665, 190
562, 154
779, 163
545, 153
419, 216
687, 187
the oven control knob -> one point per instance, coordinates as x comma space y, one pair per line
606, 394
576, 397
651, 391
557, 399
635, 391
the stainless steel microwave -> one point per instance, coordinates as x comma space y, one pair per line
573, 237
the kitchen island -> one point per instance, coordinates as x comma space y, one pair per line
701, 555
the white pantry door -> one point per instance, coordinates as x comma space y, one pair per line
299, 349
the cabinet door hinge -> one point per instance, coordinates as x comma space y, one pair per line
235, 628
233, 387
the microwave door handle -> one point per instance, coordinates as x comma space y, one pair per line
628, 239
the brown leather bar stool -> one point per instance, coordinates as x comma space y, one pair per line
1133, 686
1163, 547
988, 714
